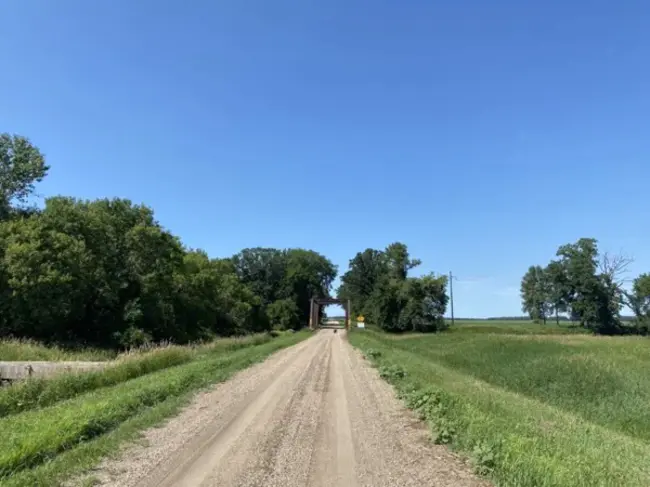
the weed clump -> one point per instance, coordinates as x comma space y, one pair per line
392, 373
372, 354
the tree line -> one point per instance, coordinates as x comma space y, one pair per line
379, 287
106, 273
587, 287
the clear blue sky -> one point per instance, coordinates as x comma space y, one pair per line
481, 133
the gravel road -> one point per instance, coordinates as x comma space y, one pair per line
311, 415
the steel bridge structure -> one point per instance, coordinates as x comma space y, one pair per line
317, 303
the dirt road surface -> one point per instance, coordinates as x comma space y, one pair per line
311, 415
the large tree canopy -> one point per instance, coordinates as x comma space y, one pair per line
279, 276
87, 270
378, 286
106, 273
263, 271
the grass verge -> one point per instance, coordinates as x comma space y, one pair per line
513, 438
42, 447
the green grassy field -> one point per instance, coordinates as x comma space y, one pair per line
515, 327
69, 433
533, 407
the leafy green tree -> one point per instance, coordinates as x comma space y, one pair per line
153, 257
641, 290
536, 294
593, 296
558, 288
295, 274
308, 275
424, 304
378, 286
363, 273
639, 301
243, 307
367, 271
49, 273
385, 305
21, 166
284, 314
199, 308
263, 271
398, 261
580, 283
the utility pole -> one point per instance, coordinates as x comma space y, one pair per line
451, 295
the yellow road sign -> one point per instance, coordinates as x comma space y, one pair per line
360, 318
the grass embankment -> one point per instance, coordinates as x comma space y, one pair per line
532, 410
34, 393
45, 446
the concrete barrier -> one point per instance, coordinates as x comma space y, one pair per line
23, 370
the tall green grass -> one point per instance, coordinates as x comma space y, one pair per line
22, 349
235, 343
34, 439
531, 410
28, 350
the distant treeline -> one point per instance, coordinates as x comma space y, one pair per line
494, 318
106, 273
497, 318
512, 318
527, 318
587, 286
